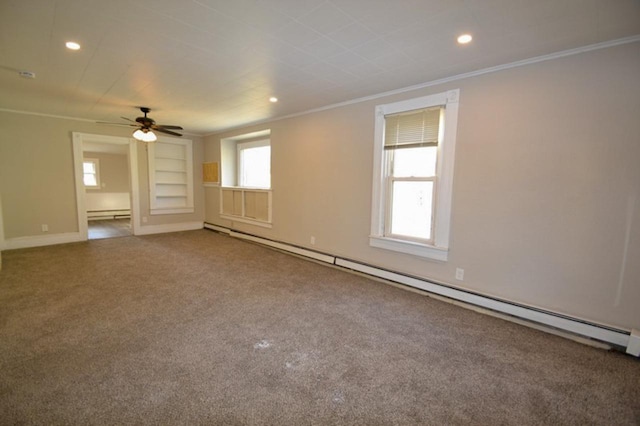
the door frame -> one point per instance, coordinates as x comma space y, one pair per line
134, 189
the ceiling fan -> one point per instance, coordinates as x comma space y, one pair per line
146, 126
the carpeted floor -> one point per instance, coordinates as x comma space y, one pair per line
199, 328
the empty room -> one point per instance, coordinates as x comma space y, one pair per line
293, 212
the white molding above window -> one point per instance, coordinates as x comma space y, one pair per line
438, 249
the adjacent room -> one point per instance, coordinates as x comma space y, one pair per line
320, 212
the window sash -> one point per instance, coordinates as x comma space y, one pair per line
390, 199
241, 173
90, 175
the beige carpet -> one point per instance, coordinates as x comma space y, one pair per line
200, 328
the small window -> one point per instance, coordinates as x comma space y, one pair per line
245, 194
254, 164
91, 172
413, 175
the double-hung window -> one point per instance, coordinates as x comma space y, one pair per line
413, 175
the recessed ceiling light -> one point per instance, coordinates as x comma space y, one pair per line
72, 45
273, 99
464, 38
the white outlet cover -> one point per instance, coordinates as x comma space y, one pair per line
459, 274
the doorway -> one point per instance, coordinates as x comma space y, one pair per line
105, 187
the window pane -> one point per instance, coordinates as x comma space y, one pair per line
411, 209
89, 167
415, 162
90, 179
255, 165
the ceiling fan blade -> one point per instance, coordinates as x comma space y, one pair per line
128, 119
169, 132
164, 126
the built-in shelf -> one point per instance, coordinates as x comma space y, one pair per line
171, 176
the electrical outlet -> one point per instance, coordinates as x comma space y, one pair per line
45, 227
313, 241
459, 274
144, 219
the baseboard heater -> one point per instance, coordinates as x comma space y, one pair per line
623, 339
108, 214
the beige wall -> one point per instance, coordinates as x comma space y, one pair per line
114, 172
37, 178
546, 185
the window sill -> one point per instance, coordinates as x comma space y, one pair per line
410, 247
246, 188
154, 212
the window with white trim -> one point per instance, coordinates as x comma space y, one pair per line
254, 164
413, 175
91, 172
245, 193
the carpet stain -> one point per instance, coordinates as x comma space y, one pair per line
338, 397
262, 344
298, 360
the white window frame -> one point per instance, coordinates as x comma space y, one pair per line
96, 164
241, 146
438, 247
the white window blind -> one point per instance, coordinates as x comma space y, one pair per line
412, 129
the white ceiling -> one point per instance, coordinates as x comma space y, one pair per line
209, 65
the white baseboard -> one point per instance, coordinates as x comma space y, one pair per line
41, 240
275, 244
72, 237
217, 228
170, 227
286, 247
550, 320
633, 348
562, 322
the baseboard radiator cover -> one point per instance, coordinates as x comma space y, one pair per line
612, 336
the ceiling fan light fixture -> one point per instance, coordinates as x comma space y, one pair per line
145, 135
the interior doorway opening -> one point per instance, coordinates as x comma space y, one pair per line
104, 185
107, 186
